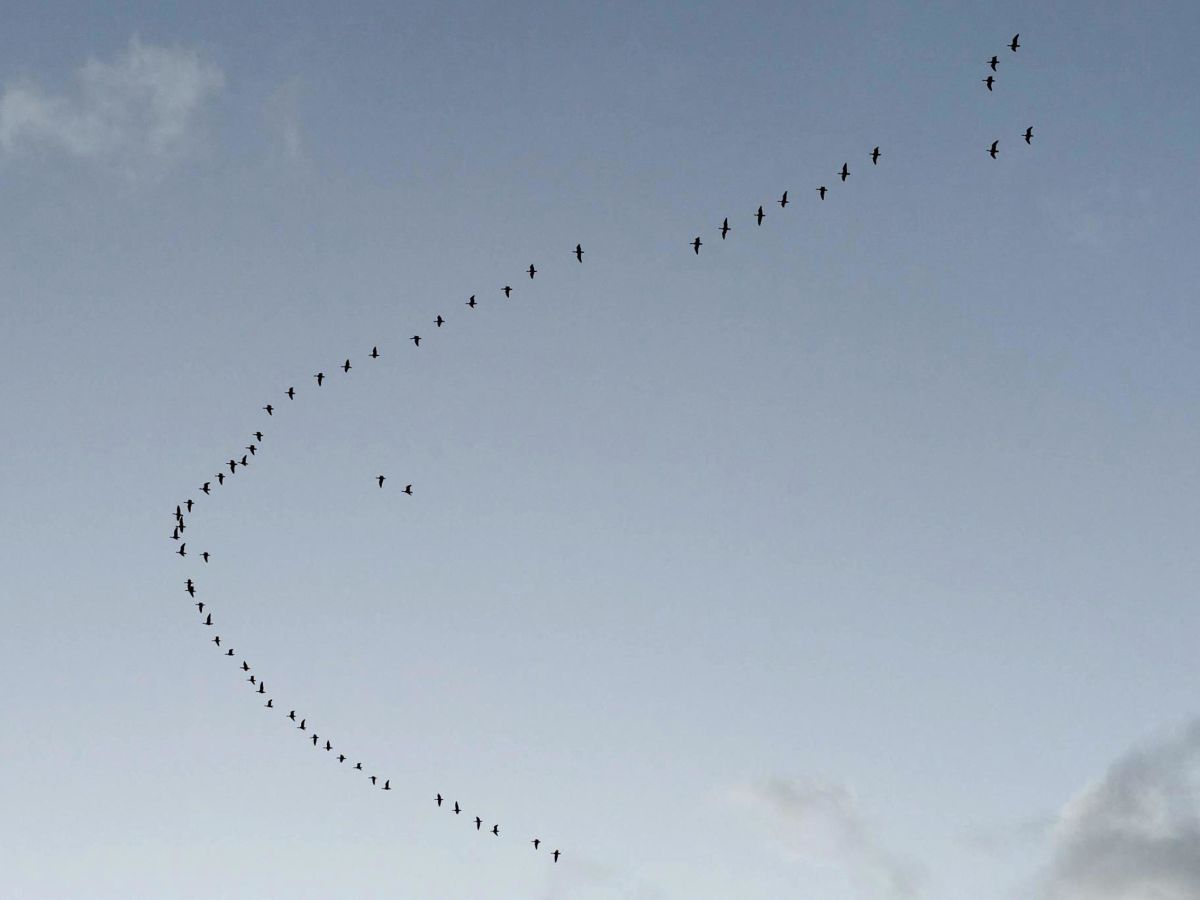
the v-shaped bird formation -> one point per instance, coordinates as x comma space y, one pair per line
236, 466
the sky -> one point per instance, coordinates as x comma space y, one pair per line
853, 558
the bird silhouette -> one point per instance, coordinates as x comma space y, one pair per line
372, 779
1029, 135
783, 201
457, 808
845, 173
995, 149
439, 321
245, 461
291, 393
821, 190
204, 556
200, 606
245, 666
206, 487
253, 679
387, 785
229, 652
232, 466
292, 715
471, 303
270, 704
208, 620
258, 436
496, 830
1015, 43
262, 687
989, 81
380, 479
301, 725
374, 353
175, 533
253, 448
190, 588
416, 339
725, 229
993, 62
507, 290
696, 245
320, 376
478, 823
270, 409
358, 766
408, 489
346, 366
341, 757
188, 504
220, 478
579, 252
217, 639
556, 855
438, 798
536, 842
875, 154
532, 271
314, 739
182, 551
760, 215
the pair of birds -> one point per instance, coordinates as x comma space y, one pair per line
994, 150
759, 215
382, 478
537, 842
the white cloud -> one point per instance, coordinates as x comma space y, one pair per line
822, 823
142, 105
1135, 833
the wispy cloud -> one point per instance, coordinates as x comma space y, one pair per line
1135, 833
143, 105
822, 823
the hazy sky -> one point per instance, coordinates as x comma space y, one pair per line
854, 559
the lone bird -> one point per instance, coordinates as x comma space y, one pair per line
374, 353
341, 757
579, 252
416, 339
229, 652
821, 190
206, 487
387, 785
380, 479
556, 855
232, 466
372, 779
253, 448
439, 321
314, 739
471, 303
301, 725
346, 366
1028, 137
217, 639
457, 808
845, 173
245, 461
200, 606
358, 766
989, 81
220, 478
208, 620
995, 149
696, 245
875, 154
408, 489
270, 409
320, 376
258, 436
439, 799
245, 666
496, 830
993, 62
1015, 43
760, 215
292, 715
478, 823
508, 290
204, 556
536, 842
725, 229
291, 393
270, 704
532, 271
189, 505
182, 551
783, 200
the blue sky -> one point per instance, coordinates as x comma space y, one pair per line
853, 558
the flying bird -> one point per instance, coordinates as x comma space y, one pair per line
253, 448
292, 715
220, 478
358, 766
270, 409
206, 487
346, 366
217, 639
341, 757
532, 271
191, 589
760, 215
374, 353
821, 190
314, 739
182, 551
262, 687
229, 652
556, 855
301, 725
408, 489
1028, 137
989, 81
245, 666
471, 303
188, 504
200, 606
439, 321
995, 148
1015, 43
875, 154
845, 173
783, 200
416, 339
478, 823
372, 779
380, 479
508, 290
725, 229
535, 842
232, 466
993, 62
270, 704
204, 556
387, 785
696, 245
496, 830
291, 393
579, 252
258, 436
245, 461
208, 621
439, 799
320, 376
175, 533
457, 808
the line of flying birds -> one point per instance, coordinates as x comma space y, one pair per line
251, 450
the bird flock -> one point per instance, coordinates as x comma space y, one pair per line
249, 452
